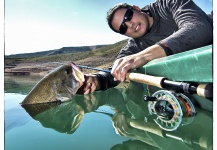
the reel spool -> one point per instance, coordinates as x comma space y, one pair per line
171, 109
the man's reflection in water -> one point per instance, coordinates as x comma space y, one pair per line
124, 109
130, 118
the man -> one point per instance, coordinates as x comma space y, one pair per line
162, 28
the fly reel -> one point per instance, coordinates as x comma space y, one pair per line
172, 109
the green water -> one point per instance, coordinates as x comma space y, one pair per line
116, 119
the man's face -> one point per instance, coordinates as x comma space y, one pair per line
136, 27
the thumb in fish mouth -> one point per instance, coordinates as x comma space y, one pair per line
75, 79
79, 76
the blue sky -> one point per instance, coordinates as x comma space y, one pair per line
39, 25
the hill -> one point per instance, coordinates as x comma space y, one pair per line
63, 50
100, 56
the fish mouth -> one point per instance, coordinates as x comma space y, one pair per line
77, 74
74, 72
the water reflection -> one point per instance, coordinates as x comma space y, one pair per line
15, 117
20, 84
191, 134
64, 118
15, 89
130, 119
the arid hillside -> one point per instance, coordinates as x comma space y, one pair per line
101, 57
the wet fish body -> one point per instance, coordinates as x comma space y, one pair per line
61, 84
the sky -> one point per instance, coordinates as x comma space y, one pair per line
40, 25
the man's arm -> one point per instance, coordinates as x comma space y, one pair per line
195, 27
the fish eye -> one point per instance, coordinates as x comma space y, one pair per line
67, 70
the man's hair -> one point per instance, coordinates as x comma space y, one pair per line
111, 12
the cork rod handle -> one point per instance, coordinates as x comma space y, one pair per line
145, 79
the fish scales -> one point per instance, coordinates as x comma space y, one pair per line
61, 84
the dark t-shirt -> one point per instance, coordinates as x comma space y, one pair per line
180, 24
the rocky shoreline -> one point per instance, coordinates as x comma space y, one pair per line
29, 69
43, 68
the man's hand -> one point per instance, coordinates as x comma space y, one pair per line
91, 84
124, 64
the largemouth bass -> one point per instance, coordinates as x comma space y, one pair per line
61, 84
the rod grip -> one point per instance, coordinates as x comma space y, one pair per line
145, 79
205, 90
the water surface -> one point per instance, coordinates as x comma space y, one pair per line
115, 119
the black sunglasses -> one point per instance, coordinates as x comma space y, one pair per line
127, 17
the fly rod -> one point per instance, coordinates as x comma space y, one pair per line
204, 90
97, 69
